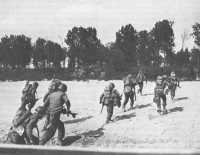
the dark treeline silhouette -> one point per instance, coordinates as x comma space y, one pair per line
86, 57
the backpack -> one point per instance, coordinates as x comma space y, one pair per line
108, 97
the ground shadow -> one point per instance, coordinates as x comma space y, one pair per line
147, 94
77, 120
175, 109
180, 98
94, 133
142, 106
122, 117
85, 137
71, 139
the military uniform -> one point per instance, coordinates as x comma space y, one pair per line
23, 124
110, 98
52, 88
159, 94
173, 83
29, 94
54, 103
129, 91
140, 78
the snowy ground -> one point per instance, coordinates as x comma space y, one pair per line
138, 128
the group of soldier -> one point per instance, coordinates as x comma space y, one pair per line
56, 102
164, 84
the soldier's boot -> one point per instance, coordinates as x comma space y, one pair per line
109, 113
61, 133
158, 108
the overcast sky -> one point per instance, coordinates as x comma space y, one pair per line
51, 19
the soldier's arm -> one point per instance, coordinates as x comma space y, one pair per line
101, 98
66, 101
46, 102
45, 96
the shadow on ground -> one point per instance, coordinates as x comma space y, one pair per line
85, 138
181, 98
122, 117
77, 120
142, 106
175, 109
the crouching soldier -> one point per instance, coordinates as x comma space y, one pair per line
129, 91
159, 94
173, 84
54, 104
110, 98
24, 122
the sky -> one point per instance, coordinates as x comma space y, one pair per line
51, 19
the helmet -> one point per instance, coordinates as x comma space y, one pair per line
111, 85
173, 74
164, 76
129, 76
35, 84
159, 78
62, 87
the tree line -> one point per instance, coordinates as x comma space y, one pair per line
87, 55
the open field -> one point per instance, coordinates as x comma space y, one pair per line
138, 128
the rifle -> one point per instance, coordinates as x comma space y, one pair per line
64, 111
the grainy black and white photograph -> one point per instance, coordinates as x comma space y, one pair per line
99, 77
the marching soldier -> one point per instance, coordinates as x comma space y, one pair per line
129, 91
140, 78
173, 84
110, 98
159, 94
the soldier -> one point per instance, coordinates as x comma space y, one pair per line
33, 95
24, 122
110, 97
129, 91
31, 123
29, 95
140, 78
173, 84
52, 88
159, 94
54, 103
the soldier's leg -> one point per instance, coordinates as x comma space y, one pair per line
140, 87
172, 93
126, 97
132, 99
164, 104
109, 113
61, 132
46, 122
50, 131
157, 101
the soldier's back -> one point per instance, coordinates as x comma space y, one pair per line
55, 101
